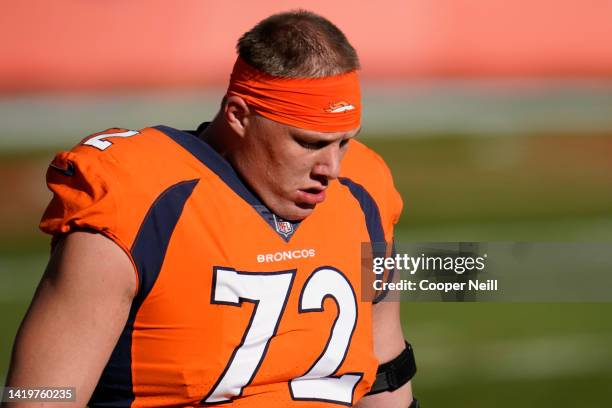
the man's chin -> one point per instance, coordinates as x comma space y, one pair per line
297, 211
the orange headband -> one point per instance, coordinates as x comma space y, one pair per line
328, 104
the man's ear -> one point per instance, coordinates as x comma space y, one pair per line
236, 113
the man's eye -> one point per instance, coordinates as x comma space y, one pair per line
344, 142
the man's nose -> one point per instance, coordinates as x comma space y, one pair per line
328, 163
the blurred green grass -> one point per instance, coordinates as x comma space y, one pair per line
455, 188
467, 180
508, 355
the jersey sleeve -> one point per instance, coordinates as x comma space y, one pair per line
85, 188
105, 184
111, 181
392, 201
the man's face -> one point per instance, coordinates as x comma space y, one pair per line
289, 168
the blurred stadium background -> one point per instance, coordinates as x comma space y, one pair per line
495, 117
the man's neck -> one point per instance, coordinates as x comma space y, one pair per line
216, 137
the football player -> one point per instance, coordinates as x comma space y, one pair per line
222, 266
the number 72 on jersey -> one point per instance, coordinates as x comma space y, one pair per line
269, 292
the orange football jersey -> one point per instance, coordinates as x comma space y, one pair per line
235, 307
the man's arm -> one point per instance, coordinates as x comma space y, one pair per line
388, 344
76, 317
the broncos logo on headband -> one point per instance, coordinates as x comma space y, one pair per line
341, 106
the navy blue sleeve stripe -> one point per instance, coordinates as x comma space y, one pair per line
369, 208
372, 219
151, 243
115, 388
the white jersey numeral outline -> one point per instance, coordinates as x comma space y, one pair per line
100, 142
270, 292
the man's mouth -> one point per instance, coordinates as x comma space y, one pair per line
311, 196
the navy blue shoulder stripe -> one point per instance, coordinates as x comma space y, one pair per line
372, 219
211, 159
221, 167
148, 251
369, 208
